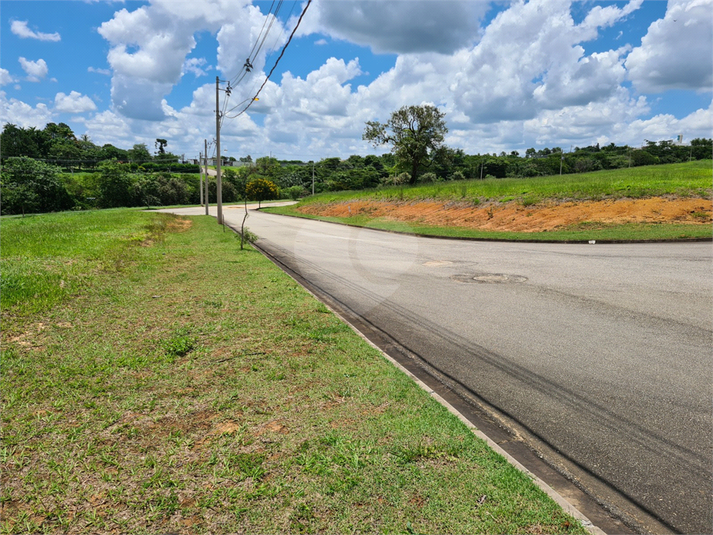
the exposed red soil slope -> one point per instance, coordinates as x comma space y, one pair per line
513, 216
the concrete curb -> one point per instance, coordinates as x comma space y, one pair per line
552, 493
496, 240
564, 504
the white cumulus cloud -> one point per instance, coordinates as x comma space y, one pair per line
196, 66
20, 28
530, 58
35, 70
677, 51
73, 103
149, 47
22, 114
5, 77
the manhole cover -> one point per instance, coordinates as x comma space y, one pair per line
490, 278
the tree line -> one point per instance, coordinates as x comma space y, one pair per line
58, 145
50, 169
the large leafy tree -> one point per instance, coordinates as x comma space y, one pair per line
18, 142
413, 133
110, 152
59, 132
139, 153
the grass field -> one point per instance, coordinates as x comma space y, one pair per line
685, 179
175, 384
694, 179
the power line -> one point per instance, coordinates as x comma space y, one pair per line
254, 52
277, 61
248, 66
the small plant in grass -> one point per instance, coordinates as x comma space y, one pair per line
529, 200
247, 236
180, 344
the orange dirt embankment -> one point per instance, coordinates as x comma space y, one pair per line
515, 217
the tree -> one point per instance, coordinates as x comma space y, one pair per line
18, 141
59, 133
261, 189
114, 185
29, 186
161, 145
267, 166
413, 132
139, 153
701, 149
110, 152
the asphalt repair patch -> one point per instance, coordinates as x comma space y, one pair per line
490, 278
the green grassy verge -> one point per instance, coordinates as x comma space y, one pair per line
692, 179
684, 179
194, 388
62, 251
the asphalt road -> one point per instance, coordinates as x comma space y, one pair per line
603, 352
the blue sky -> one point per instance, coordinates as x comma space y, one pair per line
508, 75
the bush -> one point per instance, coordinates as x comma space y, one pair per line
642, 157
114, 185
397, 180
294, 192
428, 177
30, 186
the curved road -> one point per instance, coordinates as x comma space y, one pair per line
602, 352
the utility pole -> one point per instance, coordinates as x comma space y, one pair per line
205, 167
218, 182
200, 170
312, 177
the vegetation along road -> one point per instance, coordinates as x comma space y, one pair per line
599, 353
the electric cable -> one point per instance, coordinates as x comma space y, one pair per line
277, 61
254, 52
